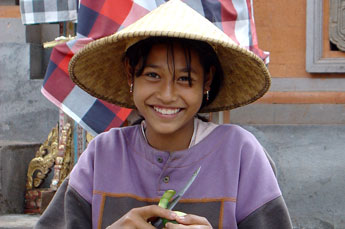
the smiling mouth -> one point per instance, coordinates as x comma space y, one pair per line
166, 111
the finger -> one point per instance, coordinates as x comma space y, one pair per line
131, 220
176, 226
150, 211
181, 226
191, 219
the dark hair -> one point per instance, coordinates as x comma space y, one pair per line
137, 56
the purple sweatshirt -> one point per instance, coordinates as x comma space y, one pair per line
236, 187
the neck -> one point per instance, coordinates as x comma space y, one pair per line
179, 140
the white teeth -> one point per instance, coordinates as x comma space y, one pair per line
165, 111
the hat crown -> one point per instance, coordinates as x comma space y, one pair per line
176, 19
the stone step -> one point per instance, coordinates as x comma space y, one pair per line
22, 221
14, 161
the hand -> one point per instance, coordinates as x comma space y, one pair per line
138, 217
189, 221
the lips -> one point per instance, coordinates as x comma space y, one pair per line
166, 111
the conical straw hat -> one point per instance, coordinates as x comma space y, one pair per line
98, 67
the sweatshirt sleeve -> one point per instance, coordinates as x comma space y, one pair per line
273, 214
259, 200
66, 210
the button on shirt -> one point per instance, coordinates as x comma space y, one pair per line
160, 160
166, 179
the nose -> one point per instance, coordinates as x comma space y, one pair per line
167, 92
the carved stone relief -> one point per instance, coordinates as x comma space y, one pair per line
337, 23
54, 156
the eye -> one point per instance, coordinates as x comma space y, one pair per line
184, 79
152, 75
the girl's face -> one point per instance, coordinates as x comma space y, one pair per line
163, 94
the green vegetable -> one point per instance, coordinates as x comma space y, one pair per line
164, 201
174, 221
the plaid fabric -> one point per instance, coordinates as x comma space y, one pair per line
98, 18
48, 11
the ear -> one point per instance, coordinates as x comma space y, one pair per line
128, 70
209, 79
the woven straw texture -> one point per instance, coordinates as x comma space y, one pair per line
98, 68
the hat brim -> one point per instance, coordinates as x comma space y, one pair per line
99, 70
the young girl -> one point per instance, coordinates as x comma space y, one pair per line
170, 65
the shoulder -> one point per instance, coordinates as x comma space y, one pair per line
115, 136
240, 142
102, 154
115, 140
117, 133
226, 135
236, 129
234, 142
236, 133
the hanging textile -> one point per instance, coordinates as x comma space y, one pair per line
48, 11
98, 18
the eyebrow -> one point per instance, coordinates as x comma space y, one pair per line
152, 66
181, 70
186, 70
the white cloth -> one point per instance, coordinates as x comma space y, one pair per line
201, 130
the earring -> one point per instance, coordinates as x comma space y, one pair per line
207, 95
131, 88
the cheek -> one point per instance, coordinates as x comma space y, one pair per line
137, 89
137, 97
141, 92
195, 96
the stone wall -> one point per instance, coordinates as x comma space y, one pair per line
26, 116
